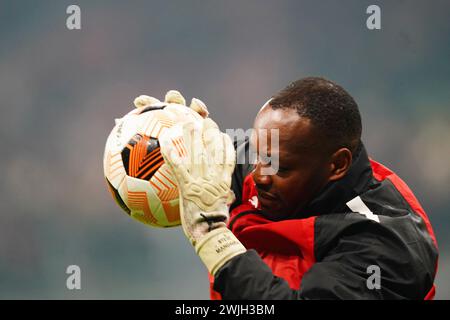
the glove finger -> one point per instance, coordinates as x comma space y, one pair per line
231, 197
174, 96
174, 152
144, 100
178, 168
229, 161
192, 131
198, 106
213, 142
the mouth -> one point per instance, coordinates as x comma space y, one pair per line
266, 196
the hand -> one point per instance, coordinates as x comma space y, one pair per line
172, 97
202, 159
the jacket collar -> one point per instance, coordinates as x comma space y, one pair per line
336, 194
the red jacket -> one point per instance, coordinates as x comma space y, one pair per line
327, 255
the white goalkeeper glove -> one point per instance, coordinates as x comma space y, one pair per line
172, 97
202, 159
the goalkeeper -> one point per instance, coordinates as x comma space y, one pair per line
327, 223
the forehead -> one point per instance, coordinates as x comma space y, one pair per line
295, 132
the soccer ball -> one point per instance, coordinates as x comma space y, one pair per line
138, 179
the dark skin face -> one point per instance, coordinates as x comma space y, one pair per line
306, 163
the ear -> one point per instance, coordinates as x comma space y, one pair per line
340, 163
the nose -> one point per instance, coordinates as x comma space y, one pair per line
262, 181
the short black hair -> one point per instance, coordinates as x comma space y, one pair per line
331, 109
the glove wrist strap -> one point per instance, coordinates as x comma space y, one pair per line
217, 247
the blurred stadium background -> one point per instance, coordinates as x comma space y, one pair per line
60, 91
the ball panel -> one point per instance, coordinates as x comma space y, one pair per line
143, 201
116, 196
142, 157
150, 108
164, 184
124, 130
113, 168
138, 179
155, 123
172, 211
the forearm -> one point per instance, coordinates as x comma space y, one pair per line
246, 276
